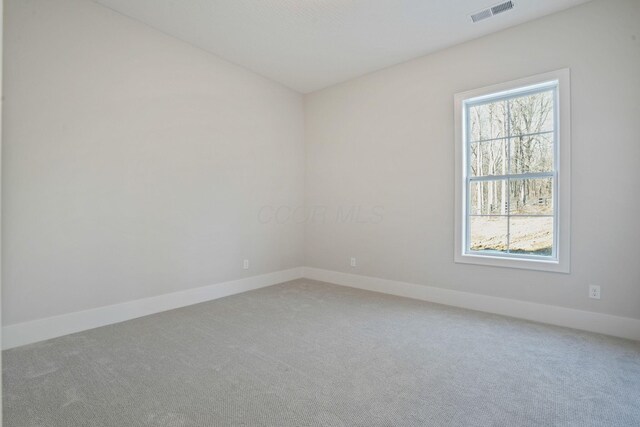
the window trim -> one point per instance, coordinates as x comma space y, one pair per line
561, 262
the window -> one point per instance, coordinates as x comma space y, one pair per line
512, 174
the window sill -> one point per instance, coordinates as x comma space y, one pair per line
519, 263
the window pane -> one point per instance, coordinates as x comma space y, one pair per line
532, 113
488, 233
531, 154
531, 196
488, 121
531, 235
488, 197
488, 158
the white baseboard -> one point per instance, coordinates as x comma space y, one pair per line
623, 327
51, 327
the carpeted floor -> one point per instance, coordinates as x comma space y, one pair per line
311, 354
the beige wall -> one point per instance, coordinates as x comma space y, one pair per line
385, 141
134, 164
1, 103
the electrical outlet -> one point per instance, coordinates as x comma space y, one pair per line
353, 262
245, 264
594, 291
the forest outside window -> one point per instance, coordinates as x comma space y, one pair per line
512, 174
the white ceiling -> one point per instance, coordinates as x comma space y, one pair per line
311, 44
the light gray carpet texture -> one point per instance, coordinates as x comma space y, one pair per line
306, 353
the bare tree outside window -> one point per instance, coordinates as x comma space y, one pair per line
510, 191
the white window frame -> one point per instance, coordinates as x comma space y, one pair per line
560, 261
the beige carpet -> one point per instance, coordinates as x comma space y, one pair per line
311, 354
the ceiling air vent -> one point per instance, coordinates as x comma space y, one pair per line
493, 10
502, 7
481, 15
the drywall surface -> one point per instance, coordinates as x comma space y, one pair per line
1, 102
380, 162
135, 165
